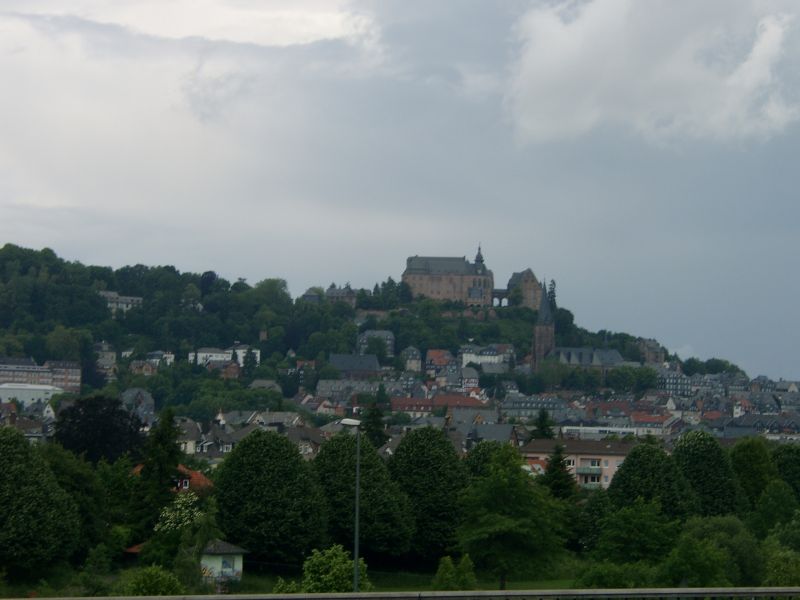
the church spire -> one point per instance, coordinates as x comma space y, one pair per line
479, 256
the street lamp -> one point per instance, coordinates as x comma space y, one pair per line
357, 424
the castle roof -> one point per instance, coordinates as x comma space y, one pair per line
442, 265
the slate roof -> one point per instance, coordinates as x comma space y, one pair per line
440, 265
220, 547
354, 362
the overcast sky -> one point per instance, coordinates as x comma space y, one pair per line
643, 154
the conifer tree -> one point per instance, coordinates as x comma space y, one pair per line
557, 477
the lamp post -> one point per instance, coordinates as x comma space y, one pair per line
357, 425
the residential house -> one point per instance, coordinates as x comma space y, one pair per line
141, 403
356, 366
117, 303
384, 335
592, 462
412, 358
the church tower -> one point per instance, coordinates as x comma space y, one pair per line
544, 332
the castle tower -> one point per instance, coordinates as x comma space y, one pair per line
544, 332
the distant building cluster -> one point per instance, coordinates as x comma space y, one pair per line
55, 376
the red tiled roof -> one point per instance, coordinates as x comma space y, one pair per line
439, 358
456, 401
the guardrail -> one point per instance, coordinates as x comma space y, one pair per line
756, 592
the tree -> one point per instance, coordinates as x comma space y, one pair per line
98, 427
638, 532
386, 522
706, 467
557, 477
753, 466
269, 499
480, 457
445, 578
77, 478
651, 474
505, 537
428, 470
543, 426
696, 563
465, 574
590, 518
786, 458
373, 426
159, 468
249, 364
39, 522
744, 561
776, 506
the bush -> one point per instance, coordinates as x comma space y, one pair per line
445, 578
608, 575
149, 581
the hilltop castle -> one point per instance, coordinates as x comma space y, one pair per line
458, 280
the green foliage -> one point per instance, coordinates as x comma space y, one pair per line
557, 477
782, 566
611, 575
373, 426
776, 506
445, 578
753, 466
159, 470
788, 533
386, 522
428, 470
39, 522
786, 458
98, 427
505, 537
480, 457
706, 467
465, 574
590, 517
331, 571
634, 533
651, 474
76, 477
269, 499
148, 581
744, 563
182, 512
696, 563
712, 366
543, 426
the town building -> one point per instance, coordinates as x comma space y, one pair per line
387, 337
117, 303
593, 463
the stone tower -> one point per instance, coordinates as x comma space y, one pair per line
544, 332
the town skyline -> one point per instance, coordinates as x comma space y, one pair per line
301, 140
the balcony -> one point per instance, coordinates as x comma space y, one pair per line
587, 470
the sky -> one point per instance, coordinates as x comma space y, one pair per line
644, 155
